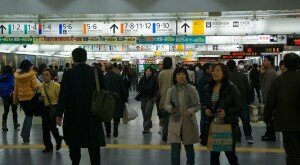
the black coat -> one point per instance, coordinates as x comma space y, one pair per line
283, 102
114, 83
80, 127
240, 80
229, 100
148, 87
202, 83
254, 77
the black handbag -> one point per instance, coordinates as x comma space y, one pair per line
138, 97
52, 109
37, 105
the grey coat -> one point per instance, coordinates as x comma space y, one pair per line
268, 77
186, 129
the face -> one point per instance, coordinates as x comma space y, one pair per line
217, 74
283, 69
160, 67
266, 63
46, 76
103, 68
148, 73
181, 78
209, 70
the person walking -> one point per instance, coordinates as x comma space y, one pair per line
165, 81
269, 75
81, 129
114, 83
282, 107
6, 93
182, 102
255, 83
241, 81
223, 101
25, 88
49, 94
148, 89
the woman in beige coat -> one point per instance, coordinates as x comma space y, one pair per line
182, 103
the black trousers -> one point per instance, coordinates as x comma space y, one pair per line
291, 143
108, 125
94, 152
49, 125
270, 132
231, 156
7, 103
256, 89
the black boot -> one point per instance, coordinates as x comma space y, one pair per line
4, 126
116, 130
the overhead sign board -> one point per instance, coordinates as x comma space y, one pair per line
250, 39
171, 40
229, 57
16, 29
245, 53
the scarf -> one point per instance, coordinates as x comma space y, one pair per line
189, 101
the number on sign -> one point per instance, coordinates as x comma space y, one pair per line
91, 26
69, 26
16, 26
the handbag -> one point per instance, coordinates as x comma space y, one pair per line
138, 97
52, 113
220, 137
37, 105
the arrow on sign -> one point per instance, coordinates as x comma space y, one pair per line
114, 27
185, 26
2, 27
281, 37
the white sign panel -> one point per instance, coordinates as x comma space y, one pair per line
18, 29
139, 28
213, 48
253, 39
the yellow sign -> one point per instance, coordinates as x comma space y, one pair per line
180, 47
198, 27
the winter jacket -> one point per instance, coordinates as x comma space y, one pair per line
268, 77
255, 77
240, 80
165, 80
6, 85
148, 87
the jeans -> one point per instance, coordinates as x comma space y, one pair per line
244, 115
7, 103
27, 107
231, 156
49, 125
147, 109
94, 152
291, 143
175, 154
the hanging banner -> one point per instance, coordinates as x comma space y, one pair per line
18, 29
253, 39
171, 40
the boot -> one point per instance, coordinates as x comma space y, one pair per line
4, 127
116, 130
16, 125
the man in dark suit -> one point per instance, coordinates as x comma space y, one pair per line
241, 81
80, 127
282, 106
114, 83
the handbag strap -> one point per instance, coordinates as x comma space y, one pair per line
47, 95
97, 79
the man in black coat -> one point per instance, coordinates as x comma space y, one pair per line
282, 106
80, 127
114, 83
242, 83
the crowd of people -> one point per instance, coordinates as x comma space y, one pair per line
221, 92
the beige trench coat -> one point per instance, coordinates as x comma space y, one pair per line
187, 125
165, 81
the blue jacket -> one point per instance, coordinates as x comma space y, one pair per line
6, 85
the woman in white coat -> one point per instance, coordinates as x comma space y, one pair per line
182, 103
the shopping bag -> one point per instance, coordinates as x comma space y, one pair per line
129, 114
256, 113
220, 137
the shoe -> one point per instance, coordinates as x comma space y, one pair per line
16, 125
268, 138
145, 132
250, 141
165, 138
116, 131
161, 130
58, 143
4, 127
47, 150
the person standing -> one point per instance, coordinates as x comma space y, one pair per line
6, 93
165, 81
126, 76
204, 80
24, 90
148, 89
191, 72
282, 68
255, 82
49, 91
242, 84
81, 129
158, 97
223, 101
182, 102
282, 107
116, 68
268, 77
113, 82
60, 74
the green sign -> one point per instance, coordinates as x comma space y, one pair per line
16, 40
171, 40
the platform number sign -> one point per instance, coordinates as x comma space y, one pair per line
273, 38
2, 29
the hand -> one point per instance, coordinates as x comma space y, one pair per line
173, 110
208, 113
221, 113
58, 121
187, 114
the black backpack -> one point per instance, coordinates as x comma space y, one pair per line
103, 103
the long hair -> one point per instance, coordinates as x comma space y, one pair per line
225, 71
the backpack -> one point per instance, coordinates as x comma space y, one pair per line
103, 103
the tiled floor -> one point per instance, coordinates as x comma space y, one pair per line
130, 148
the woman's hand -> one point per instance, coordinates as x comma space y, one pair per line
187, 114
208, 113
221, 113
